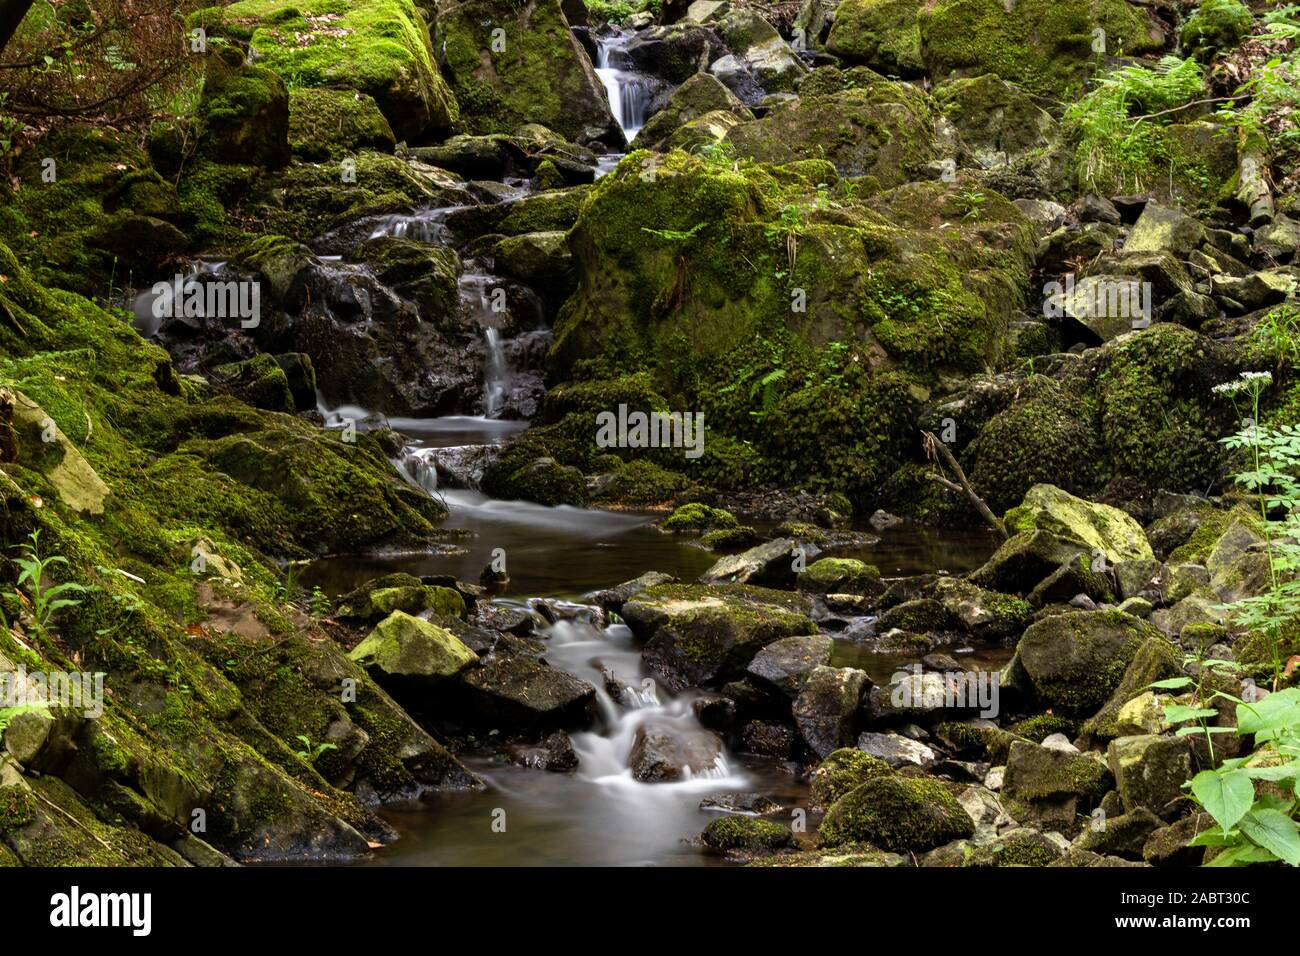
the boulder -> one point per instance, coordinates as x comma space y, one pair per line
1023, 560
881, 34
746, 834
1165, 229
770, 564
840, 576
245, 113
1099, 528
698, 634
786, 664
895, 750
827, 705
701, 94
329, 124
1150, 772
841, 771
525, 693
667, 753
896, 814
539, 74
405, 648
1076, 660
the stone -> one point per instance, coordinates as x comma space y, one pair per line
1150, 772
770, 564
826, 707
1099, 528
1077, 659
665, 753
1165, 229
786, 664
407, 648
524, 693
896, 814
896, 750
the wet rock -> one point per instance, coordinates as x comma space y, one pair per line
525, 693
1019, 846
1074, 579
896, 750
660, 754
674, 53
697, 634
756, 42
403, 649
769, 738
826, 708
754, 804
701, 94
613, 599
786, 664
381, 597
717, 713
769, 564
555, 753
985, 614
1156, 660
896, 814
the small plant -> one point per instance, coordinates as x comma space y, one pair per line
311, 753
1273, 455
719, 155
969, 203
1250, 826
318, 605
42, 601
288, 590
1279, 332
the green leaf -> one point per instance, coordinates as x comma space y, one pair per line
1226, 796
1276, 832
1242, 854
1172, 683
1274, 712
1177, 713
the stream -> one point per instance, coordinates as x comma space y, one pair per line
597, 814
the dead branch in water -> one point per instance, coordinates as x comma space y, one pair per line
934, 450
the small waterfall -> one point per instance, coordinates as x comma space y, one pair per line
423, 225
628, 94
496, 376
582, 649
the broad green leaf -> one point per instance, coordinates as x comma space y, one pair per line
1276, 832
1226, 796
1242, 854
1177, 713
1172, 683
1274, 712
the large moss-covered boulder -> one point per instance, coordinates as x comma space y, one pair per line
883, 130
701, 94
329, 124
1046, 46
245, 113
758, 44
840, 576
1099, 528
898, 814
696, 634
377, 47
1076, 660
514, 64
881, 34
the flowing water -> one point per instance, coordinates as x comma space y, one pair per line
628, 91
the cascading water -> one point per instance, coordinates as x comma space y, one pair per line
495, 374
628, 93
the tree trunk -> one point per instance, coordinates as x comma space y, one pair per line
11, 14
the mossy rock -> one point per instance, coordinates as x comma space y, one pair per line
1215, 27
700, 95
377, 47
746, 834
402, 647
897, 814
881, 34
1099, 528
244, 110
1046, 46
840, 576
842, 771
330, 124
697, 633
1037, 773
259, 381
1077, 660
697, 517
880, 130
533, 71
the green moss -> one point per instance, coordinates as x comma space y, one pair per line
378, 47
1214, 27
896, 814
840, 575
882, 34
329, 124
842, 771
698, 517
1045, 46
1041, 726
746, 833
